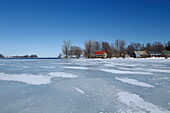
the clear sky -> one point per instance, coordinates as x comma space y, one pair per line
40, 26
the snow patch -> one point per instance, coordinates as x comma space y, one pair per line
161, 78
156, 58
61, 63
109, 65
158, 70
135, 102
146, 69
134, 82
47, 67
62, 74
153, 70
26, 78
122, 64
73, 67
79, 90
34, 79
123, 72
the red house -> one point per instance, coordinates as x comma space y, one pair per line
101, 54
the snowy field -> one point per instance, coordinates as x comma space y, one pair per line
85, 86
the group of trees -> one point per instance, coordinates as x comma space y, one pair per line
71, 51
25, 56
1, 56
117, 49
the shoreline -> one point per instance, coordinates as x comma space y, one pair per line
88, 58
34, 58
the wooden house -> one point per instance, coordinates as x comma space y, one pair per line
166, 53
154, 54
101, 54
140, 54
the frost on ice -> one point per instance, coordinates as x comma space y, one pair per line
85, 86
123, 72
35, 79
136, 103
26, 78
79, 90
134, 82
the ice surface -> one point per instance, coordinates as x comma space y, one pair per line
122, 71
134, 82
85, 86
136, 103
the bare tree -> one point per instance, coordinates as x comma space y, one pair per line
117, 49
97, 46
142, 48
148, 47
158, 46
105, 46
130, 49
122, 44
71, 51
119, 46
110, 52
77, 51
33, 56
89, 51
1, 56
137, 46
66, 47
167, 45
60, 55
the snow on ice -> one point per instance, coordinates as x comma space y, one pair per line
85, 86
123, 71
74, 67
136, 103
134, 82
35, 79
79, 90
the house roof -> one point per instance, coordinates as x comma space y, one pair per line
100, 52
140, 52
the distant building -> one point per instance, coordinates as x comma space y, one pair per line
101, 54
166, 53
154, 54
140, 54
127, 56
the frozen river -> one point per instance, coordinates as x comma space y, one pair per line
85, 86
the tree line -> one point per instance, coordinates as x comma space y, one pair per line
25, 56
118, 48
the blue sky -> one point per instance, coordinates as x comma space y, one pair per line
40, 26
